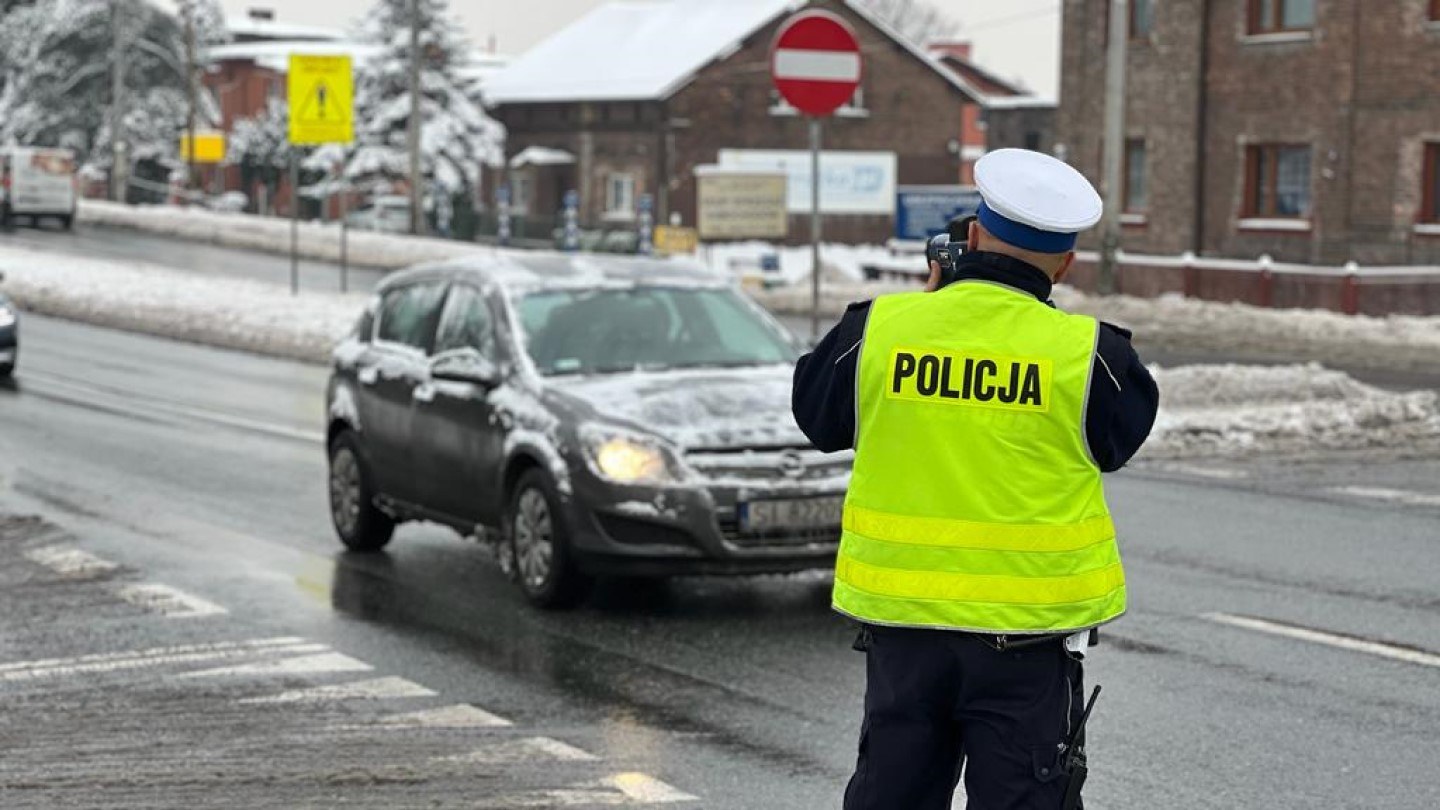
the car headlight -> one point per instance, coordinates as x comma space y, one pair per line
629, 458
7, 316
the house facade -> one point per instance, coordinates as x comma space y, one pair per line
1306, 130
621, 125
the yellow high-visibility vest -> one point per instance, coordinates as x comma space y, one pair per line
975, 503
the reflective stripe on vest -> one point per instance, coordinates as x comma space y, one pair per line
974, 502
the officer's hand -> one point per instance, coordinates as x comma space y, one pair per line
934, 283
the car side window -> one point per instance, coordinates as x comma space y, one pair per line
407, 314
466, 322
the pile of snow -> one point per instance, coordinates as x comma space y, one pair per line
226, 312
320, 241
840, 263
1215, 410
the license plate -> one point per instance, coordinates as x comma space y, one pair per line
795, 513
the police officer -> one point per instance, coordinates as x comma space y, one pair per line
978, 552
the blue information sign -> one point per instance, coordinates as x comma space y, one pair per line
923, 211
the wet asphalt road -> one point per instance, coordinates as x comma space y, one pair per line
202, 469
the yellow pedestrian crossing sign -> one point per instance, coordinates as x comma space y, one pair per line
321, 96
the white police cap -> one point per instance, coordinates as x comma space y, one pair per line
1033, 201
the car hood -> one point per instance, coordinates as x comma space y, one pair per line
695, 408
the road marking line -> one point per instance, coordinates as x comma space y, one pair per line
155, 657
304, 665
1344, 642
461, 715
524, 750
170, 602
376, 689
1401, 496
1218, 473
70, 562
647, 789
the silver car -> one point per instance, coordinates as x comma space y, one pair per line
596, 415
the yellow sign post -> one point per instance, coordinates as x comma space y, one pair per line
209, 147
322, 93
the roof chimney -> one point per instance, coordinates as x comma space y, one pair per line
262, 14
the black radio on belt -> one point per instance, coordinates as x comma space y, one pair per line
944, 249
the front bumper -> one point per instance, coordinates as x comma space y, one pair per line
9, 343
661, 531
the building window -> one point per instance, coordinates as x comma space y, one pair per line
1137, 184
1430, 199
620, 194
1276, 16
1142, 18
1277, 181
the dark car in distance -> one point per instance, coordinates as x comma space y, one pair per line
9, 335
598, 415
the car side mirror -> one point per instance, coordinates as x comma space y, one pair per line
466, 366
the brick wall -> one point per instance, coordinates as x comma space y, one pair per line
1360, 89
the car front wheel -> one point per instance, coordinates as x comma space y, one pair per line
540, 545
359, 523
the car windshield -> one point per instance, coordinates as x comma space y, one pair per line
613, 330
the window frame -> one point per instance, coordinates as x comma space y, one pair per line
1271, 180
1135, 33
1256, 26
1430, 192
1125, 202
628, 179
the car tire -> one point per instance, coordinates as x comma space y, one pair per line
539, 544
67, 222
6, 369
358, 522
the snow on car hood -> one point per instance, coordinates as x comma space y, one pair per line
696, 408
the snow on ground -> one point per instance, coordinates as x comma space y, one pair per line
841, 263
1227, 410
317, 240
217, 311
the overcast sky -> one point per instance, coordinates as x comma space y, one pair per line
1018, 39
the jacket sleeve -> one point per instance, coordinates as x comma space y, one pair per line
1123, 400
823, 395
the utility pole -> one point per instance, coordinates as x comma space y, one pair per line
417, 196
1114, 142
119, 149
189, 10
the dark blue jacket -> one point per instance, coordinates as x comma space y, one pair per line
1123, 396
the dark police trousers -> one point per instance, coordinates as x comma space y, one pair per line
937, 698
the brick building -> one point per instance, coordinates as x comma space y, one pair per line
1308, 130
631, 98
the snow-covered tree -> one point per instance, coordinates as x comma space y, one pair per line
260, 146
56, 77
916, 20
457, 138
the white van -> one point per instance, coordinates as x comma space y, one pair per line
37, 183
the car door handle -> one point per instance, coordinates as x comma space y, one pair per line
425, 392
368, 375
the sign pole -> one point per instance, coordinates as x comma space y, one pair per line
344, 232
815, 229
294, 224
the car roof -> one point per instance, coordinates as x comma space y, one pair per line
519, 271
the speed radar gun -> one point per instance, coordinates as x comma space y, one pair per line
945, 248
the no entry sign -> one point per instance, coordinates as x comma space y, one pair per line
815, 62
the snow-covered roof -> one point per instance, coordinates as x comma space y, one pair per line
1016, 102
640, 50
275, 55
250, 28
541, 156
631, 50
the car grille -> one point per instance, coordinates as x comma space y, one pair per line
774, 465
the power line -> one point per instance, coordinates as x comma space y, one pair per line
1052, 7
